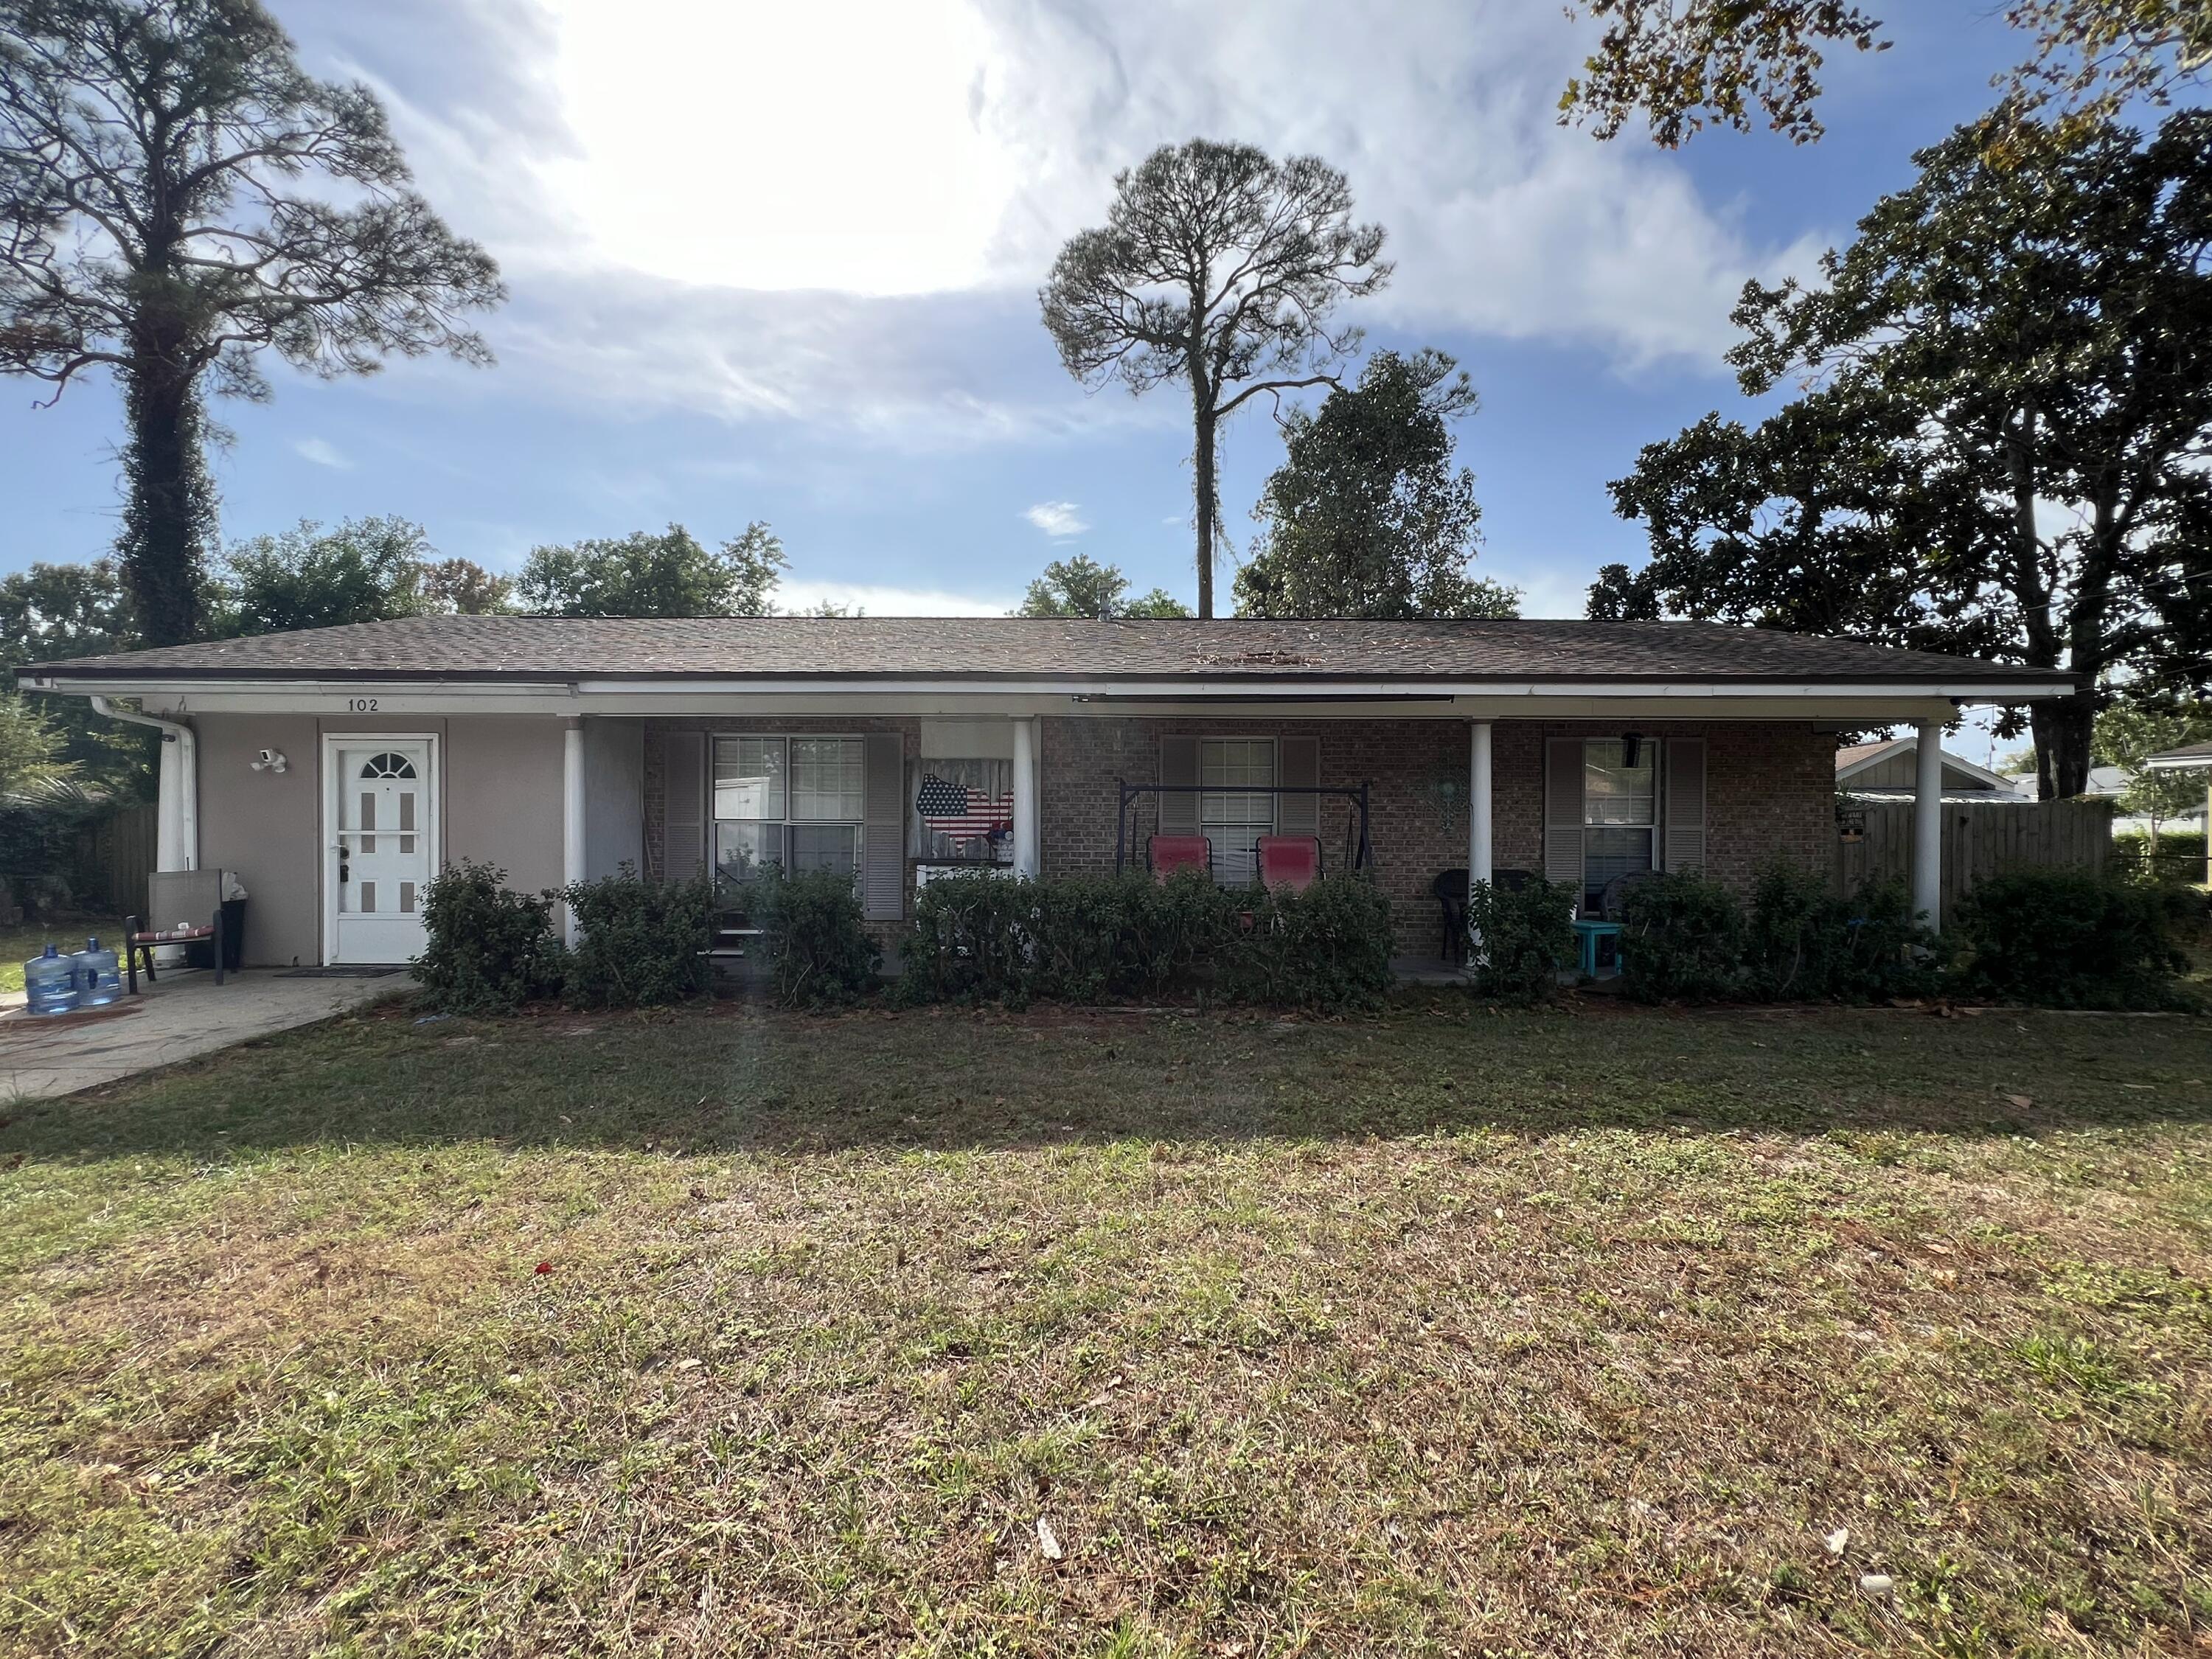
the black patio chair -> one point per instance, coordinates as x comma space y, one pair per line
1614, 894
1449, 891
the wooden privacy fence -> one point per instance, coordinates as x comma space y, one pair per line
114, 857
1873, 841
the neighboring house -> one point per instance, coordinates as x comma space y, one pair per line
2109, 783
2192, 757
335, 770
1888, 771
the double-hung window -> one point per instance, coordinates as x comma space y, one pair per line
1620, 819
1236, 806
799, 802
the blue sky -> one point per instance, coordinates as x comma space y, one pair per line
780, 263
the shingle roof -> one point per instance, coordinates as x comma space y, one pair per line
2189, 754
967, 648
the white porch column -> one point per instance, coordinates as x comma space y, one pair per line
1928, 825
1478, 804
571, 819
1027, 862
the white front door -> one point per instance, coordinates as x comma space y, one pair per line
380, 822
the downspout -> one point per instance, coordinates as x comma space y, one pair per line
177, 827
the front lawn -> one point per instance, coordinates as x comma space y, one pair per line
1445, 1332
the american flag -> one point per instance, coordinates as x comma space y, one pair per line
965, 814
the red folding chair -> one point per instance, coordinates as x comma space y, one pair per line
1166, 854
1291, 861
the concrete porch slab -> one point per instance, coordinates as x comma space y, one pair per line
183, 1017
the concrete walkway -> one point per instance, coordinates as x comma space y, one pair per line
186, 1015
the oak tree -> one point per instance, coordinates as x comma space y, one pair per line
1684, 65
1081, 587
2003, 444
644, 574
1367, 516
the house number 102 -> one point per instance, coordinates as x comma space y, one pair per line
362, 705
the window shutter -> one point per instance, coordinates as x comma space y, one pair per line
683, 817
883, 875
1686, 804
1299, 761
1562, 812
1179, 765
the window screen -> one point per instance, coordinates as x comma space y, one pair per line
1235, 807
1620, 814
796, 802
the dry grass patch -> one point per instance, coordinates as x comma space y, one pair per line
1445, 1332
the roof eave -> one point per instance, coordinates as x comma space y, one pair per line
2028, 685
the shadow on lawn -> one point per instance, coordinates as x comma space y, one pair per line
733, 1080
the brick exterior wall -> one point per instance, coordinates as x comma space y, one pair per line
656, 773
1770, 789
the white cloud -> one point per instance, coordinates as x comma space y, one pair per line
878, 600
321, 453
1058, 519
839, 214
775, 146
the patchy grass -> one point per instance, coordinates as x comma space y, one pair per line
1447, 1332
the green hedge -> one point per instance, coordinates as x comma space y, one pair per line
819, 955
1681, 940
1519, 939
489, 948
2070, 938
639, 943
1803, 943
2055, 937
2177, 860
1686, 939
1096, 939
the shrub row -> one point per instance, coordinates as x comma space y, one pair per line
2071, 939
2177, 858
2057, 937
819, 956
1094, 939
1518, 938
490, 948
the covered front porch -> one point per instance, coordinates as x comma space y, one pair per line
1422, 803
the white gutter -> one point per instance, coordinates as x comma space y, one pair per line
1194, 688
177, 818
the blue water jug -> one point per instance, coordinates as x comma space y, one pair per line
99, 976
50, 982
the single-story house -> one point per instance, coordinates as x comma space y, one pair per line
334, 770
2192, 757
1889, 771
2109, 783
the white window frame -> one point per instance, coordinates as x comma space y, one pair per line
1655, 751
1252, 830
787, 822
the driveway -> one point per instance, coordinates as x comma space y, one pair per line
186, 1015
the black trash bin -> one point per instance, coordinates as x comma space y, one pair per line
202, 954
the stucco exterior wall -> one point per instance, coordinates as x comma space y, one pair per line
266, 827
614, 796
500, 799
503, 795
